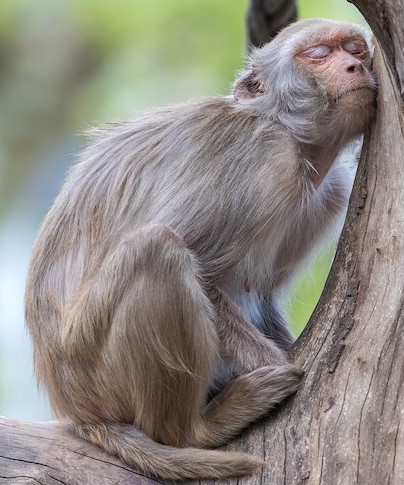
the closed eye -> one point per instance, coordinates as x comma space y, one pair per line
317, 52
356, 48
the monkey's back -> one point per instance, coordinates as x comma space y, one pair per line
157, 168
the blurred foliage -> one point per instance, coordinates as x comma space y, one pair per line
66, 64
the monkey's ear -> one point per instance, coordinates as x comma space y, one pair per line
248, 87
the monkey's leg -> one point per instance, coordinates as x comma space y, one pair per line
241, 343
146, 311
161, 351
273, 324
169, 323
267, 376
185, 350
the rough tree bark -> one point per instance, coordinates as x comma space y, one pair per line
267, 17
47, 454
345, 425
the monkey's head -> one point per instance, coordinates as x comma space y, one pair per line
314, 76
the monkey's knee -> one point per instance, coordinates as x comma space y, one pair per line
159, 248
159, 234
156, 237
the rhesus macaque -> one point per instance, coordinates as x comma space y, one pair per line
152, 291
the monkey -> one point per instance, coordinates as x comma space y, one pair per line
152, 295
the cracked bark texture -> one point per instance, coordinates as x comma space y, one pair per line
266, 18
47, 454
345, 425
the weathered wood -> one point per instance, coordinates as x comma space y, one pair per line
267, 17
48, 454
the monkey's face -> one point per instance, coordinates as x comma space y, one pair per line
339, 63
314, 78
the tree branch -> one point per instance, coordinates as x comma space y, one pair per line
48, 454
267, 17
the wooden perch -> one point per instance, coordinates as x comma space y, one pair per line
48, 454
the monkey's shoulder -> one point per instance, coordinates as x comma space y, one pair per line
215, 131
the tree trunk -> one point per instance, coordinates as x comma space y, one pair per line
345, 425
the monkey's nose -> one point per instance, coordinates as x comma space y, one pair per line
354, 66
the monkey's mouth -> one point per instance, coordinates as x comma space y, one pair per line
353, 90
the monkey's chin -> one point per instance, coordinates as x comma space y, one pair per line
357, 103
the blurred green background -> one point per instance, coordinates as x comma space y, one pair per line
66, 64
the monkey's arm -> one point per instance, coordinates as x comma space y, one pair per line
241, 343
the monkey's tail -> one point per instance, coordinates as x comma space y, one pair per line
166, 462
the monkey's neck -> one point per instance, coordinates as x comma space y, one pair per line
321, 159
